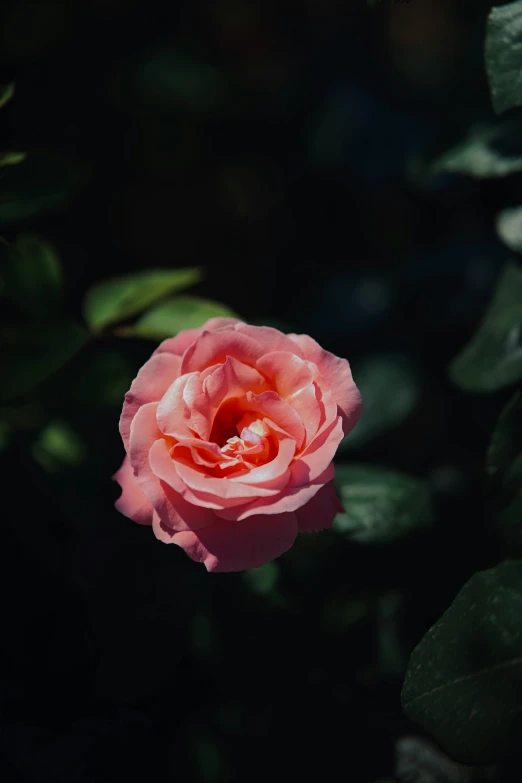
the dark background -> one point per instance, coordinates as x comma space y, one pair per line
282, 147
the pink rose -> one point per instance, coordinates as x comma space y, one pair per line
230, 431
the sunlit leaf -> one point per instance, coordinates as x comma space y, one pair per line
120, 298
12, 158
464, 679
181, 312
509, 228
30, 355
381, 505
390, 390
488, 152
6, 93
504, 55
493, 358
33, 276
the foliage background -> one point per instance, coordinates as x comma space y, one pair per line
281, 147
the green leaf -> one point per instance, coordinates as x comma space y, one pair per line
464, 679
29, 356
493, 358
504, 457
6, 93
390, 391
509, 228
33, 277
381, 505
116, 300
181, 312
262, 580
12, 158
504, 56
58, 447
488, 152
39, 183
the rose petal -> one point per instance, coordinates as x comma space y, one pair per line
178, 345
165, 468
318, 455
287, 373
214, 347
271, 339
230, 379
319, 512
133, 503
144, 432
338, 374
270, 405
177, 416
150, 384
290, 499
171, 507
232, 546
274, 474
221, 489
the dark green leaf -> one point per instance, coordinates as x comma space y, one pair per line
262, 580
58, 447
390, 391
488, 152
419, 761
181, 312
504, 55
504, 458
380, 505
493, 358
6, 93
12, 158
33, 277
509, 228
464, 679
38, 183
29, 356
115, 300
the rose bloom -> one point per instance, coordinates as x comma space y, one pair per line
230, 431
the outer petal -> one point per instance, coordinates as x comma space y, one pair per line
214, 347
337, 373
178, 345
172, 509
132, 502
234, 546
271, 339
144, 432
319, 512
150, 384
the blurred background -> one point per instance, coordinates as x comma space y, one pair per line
282, 147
